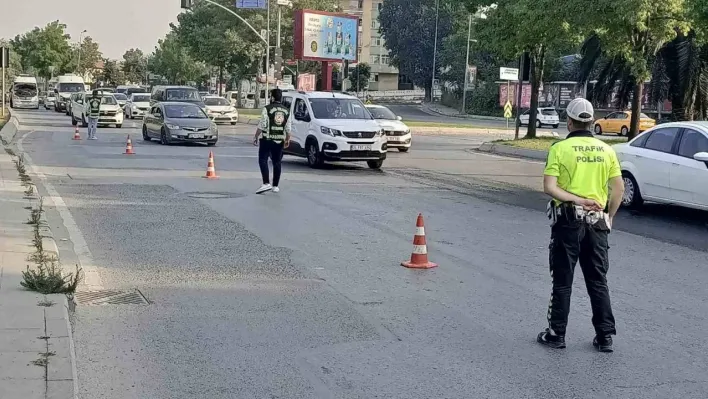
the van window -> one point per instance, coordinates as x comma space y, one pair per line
182, 94
287, 101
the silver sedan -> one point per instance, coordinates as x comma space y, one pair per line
178, 122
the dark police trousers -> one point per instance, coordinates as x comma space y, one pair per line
572, 241
270, 148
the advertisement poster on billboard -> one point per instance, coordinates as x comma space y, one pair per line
306, 82
323, 36
525, 95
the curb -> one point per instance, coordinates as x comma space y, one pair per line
507, 150
8, 132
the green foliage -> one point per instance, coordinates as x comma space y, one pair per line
48, 278
83, 58
359, 76
112, 74
42, 48
171, 60
408, 27
134, 65
484, 100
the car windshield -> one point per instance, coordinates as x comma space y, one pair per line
382, 113
121, 90
143, 98
339, 108
108, 100
549, 112
120, 96
215, 101
182, 95
644, 116
184, 111
132, 90
70, 87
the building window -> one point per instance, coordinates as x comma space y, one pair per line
360, 4
374, 59
374, 23
374, 77
385, 60
360, 21
379, 6
377, 41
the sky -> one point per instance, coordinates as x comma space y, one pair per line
116, 25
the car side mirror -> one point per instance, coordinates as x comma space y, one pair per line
701, 157
399, 118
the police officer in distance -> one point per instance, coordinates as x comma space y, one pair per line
577, 175
275, 127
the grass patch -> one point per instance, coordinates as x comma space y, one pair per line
544, 143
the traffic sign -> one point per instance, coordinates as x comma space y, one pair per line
507, 109
508, 73
252, 4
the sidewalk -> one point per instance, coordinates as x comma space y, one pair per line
35, 343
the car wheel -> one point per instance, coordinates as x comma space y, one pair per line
146, 137
375, 164
233, 123
624, 131
404, 149
538, 124
120, 125
598, 130
556, 126
163, 137
632, 197
314, 157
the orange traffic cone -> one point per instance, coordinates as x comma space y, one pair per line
129, 147
77, 135
419, 257
211, 172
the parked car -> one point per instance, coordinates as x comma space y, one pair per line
619, 122
121, 98
667, 164
220, 110
398, 135
330, 126
544, 116
179, 122
137, 106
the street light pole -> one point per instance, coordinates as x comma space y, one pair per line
267, 68
435, 52
81, 41
467, 63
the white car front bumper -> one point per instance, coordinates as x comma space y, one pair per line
398, 139
227, 117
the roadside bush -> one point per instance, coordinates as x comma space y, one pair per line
49, 279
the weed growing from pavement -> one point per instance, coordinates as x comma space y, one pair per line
46, 303
36, 214
10, 152
29, 191
48, 278
43, 360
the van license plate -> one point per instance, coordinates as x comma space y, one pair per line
391, 138
196, 136
361, 148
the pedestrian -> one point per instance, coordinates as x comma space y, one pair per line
94, 111
274, 127
579, 170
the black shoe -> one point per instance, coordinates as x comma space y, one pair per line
603, 343
551, 341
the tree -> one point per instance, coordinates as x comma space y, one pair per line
84, 57
171, 60
134, 65
359, 76
112, 74
632, 32
412, 43
15, 61
42, 48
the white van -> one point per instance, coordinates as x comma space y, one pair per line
24, 92
66, 86
335, 127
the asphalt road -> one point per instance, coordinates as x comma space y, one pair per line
300, 294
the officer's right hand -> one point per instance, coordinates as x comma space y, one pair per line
255, 141
589, 204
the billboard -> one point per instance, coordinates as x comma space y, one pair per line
324, 36
511, 95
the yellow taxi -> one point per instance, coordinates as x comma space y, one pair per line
619, 122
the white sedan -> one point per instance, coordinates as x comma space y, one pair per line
220, 110
398, 134
544, 116
667, 164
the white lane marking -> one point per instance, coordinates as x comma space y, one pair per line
92, 279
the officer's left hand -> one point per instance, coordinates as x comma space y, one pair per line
287, 143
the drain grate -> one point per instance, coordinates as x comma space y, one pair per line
106, 297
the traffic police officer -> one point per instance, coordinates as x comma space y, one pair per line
578, 172
275, 128
94, 108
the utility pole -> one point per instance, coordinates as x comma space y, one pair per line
467, 63
518, 96
81, 41
435, 52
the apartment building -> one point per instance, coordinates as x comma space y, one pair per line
371, 46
